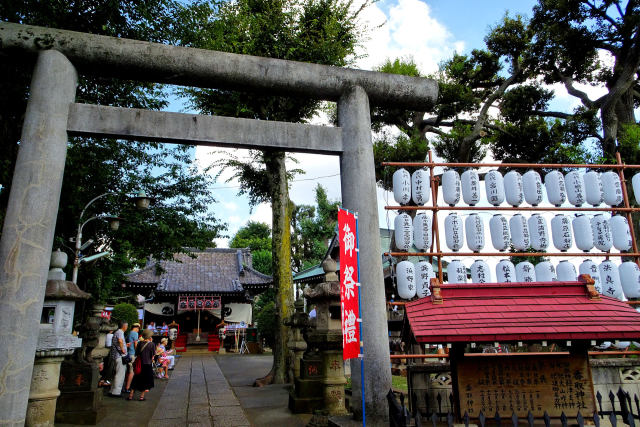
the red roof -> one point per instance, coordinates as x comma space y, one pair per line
520, 312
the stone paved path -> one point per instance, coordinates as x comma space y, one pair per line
198, 394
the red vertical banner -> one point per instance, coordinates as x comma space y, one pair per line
349, 290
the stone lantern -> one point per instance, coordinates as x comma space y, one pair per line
55, 341
321, 382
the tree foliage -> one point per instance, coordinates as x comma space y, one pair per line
257, 237
180, 216
125, 312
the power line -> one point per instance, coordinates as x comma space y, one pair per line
295, 180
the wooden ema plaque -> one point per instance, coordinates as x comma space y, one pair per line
520, 384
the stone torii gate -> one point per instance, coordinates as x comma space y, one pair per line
52, 115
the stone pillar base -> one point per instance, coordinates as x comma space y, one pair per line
41, 409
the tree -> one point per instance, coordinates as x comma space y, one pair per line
321, 31
125, 313
313, 227
180, 216
257, 237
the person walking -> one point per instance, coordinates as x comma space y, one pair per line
143, 381
118, 349
132, 341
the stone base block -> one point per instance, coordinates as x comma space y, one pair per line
305, 405
80, 407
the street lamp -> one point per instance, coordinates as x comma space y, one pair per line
142, 202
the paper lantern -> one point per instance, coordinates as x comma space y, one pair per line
601, 233
470, 187
456, 272
505, 271
556, 190
545, 272
422, 231
451, 187
525, 272
561, 232
420, 187
593, 188
566, 272
453, 232
591, 268
403, 231
402, 186
538, 232
630, 279
406, 278
610, 280
474, 230
500, 236
494, 186
611, 188
424, 274
513, 190
480, 272
520, 237
582, 232
575, 188
532, 188
635, 183
620, 233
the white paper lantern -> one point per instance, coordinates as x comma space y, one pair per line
575, 188
525, 272
494, 186
457, 272
610, 279
403, 232
593, 188
620, 233
470, 187
556, 190
513, 188
422, 233
505, 271
538, 232
520, 237
635, 183
402, 186
453, 231
500, 235
480, 272
566, 272
545, 272
424, 274
611, 188
561, 232
451, 187
582, 232
601, 233
630, 279
532, 187
474, 230
420, 187
405, 273
591, 268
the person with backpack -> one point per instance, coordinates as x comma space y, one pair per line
142, 366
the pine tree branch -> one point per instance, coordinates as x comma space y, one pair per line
557, 114
572, 90
603, 15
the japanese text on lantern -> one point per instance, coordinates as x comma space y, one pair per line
348, 284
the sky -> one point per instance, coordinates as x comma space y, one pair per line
428, 31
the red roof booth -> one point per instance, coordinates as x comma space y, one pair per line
572, 313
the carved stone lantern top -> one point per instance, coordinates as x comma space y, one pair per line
330, 266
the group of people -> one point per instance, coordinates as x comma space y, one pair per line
156, 361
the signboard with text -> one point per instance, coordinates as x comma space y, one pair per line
349, 291
519, 384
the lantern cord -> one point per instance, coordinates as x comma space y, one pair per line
361, 355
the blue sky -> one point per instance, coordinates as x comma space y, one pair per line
429, 31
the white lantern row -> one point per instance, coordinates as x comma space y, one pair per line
539, 232
424, 274
525, 272
406, 279
519, 232
422, 233
480, 272
500, 235
590, 187
474, 228
505, 271
453, 231
403, 232
566, 272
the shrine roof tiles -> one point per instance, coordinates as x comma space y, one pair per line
520, 311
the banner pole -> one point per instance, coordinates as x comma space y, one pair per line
361, 355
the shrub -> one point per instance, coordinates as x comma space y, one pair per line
125, 312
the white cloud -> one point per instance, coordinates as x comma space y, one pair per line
262, 213
408, 31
